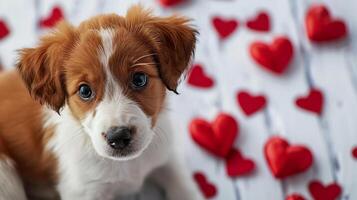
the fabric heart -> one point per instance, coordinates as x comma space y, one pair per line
249, 103
55, 16
224, 27
4, 30
275, 57
321, 27
313, 102
260, 23
354, 152
285, 160
169, 3
237, 165
216, 137
295, 197
208, 189
321, 192
198, 77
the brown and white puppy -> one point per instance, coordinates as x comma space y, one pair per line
94, 123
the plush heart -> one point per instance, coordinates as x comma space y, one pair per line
320, 26
237, 165
197, 77
169, 3
249, 103
321, 192
55, 16
216, 137
313, 102
354, 152
295, 197
208, 189
275, 57
224, 27
260, 23
285, 160
4, 30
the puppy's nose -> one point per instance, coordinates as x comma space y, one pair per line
119, 137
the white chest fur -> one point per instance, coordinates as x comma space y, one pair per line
83, 174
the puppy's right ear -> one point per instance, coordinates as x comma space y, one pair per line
173, 40
41, 67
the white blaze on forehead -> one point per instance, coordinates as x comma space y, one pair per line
107, 37
107, 43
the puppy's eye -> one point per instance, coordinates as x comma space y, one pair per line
85, 92
139, 80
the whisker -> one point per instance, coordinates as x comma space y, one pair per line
144, 56
143, 64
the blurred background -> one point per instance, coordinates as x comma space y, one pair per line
283, 68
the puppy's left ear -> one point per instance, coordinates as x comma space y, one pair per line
173, 40
176, 42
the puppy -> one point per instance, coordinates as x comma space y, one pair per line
84, 115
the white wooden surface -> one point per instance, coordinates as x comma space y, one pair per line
331, 68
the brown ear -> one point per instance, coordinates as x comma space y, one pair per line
41, 68
173, 40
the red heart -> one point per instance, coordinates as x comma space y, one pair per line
321, 192
237, 165
354, 152
198, 78
55, 16
4, 30
275, 57
259, 23
216, 137
169, 3
208, 189
285, 160
249, 103
224, 27
295, 197
312, 102
320, 26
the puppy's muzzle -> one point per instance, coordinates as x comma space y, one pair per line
119, 137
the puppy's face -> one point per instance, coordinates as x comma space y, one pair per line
114, 90
112, 73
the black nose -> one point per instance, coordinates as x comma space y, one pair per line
119, 137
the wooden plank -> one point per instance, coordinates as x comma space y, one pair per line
204, 103
330, 68
192, 103
295, 125
234, 74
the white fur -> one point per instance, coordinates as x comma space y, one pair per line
11, 186
88, 171
84, 174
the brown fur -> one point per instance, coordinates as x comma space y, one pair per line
22, 133
53, 71
83, 66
